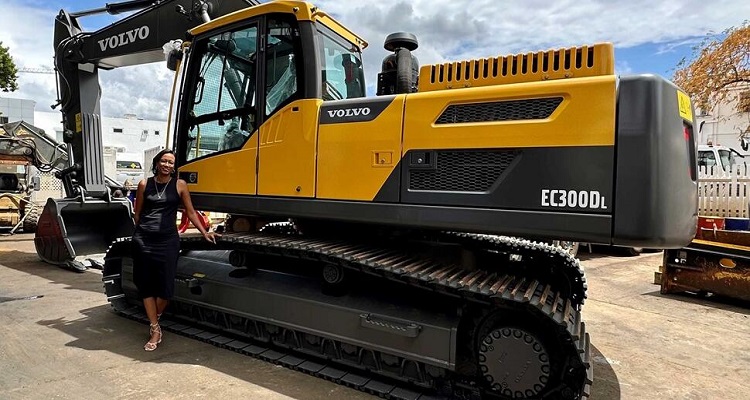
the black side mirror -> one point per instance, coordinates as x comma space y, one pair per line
173, 58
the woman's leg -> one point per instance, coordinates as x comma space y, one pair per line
161, 305
149, 303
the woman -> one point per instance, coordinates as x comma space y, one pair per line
156, 241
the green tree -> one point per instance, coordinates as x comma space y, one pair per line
8, 71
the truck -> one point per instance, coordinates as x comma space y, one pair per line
718, 158
396, 243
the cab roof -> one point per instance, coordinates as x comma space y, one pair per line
302, 11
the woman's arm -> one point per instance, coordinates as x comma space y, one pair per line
187, 204
139, 200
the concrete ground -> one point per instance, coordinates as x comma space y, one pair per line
59, 339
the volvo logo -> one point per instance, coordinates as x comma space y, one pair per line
124, 38
349, 112
353, 110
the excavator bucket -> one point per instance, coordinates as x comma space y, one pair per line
70, 229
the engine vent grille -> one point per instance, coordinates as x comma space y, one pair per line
574, 62
462, 171
512, 110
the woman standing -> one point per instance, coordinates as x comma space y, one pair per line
156, 241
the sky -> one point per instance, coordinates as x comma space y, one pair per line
650, 36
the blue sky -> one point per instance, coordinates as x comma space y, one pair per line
650, 36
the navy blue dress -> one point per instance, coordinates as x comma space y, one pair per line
156, 243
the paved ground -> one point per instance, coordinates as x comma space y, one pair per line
60, 340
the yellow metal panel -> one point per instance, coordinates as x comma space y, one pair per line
232, 173
586, 117
337, 27
303, 11
574, 62
355, 159
287, 151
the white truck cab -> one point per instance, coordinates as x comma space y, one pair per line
716, 156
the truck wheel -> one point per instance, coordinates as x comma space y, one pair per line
32, 217
633, 251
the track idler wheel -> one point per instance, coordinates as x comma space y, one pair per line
333, 279
514, 363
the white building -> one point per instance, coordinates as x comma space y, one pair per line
123, 135
725, 124
15, 110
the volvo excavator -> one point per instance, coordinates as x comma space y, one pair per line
396, 243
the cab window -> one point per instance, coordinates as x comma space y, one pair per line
343, 75
282, 63
706, 159
222, 112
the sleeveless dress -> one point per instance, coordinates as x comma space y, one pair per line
156, 243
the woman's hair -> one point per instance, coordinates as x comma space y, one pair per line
157, 157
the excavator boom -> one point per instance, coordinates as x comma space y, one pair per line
88, 219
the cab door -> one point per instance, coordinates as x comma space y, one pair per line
217, 141
288, 135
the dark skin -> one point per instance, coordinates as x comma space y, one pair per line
155, 306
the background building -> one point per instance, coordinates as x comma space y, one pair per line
13, 110
726, 123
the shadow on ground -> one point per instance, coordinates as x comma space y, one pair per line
606, 385
91, 280
103, 330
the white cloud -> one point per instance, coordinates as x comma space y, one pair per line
445, 29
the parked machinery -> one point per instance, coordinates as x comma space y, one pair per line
374, 239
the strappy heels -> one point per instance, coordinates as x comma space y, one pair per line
151, 346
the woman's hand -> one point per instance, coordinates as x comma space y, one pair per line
211, 236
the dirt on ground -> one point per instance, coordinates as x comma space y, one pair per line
60, 339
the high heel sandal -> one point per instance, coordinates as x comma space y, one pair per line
151, 346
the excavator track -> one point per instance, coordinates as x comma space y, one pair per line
554, 348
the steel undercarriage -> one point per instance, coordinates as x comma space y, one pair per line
495, 327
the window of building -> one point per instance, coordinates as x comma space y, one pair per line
156, 133
3, 120
117, 130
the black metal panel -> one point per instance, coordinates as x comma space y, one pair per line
93, 155
139, 38
311, 60
522, 179
512, 110
656, 194
459, 171
298, 303
557, 223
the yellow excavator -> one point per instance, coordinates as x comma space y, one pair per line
397, 243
